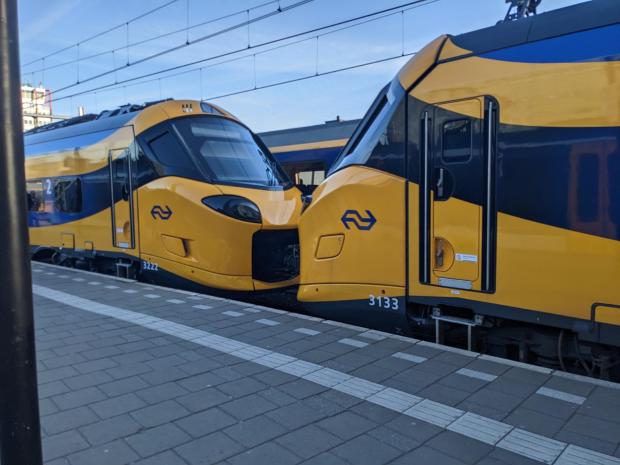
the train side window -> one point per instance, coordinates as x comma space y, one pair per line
68, 195
456, 141
169, 151
34, 193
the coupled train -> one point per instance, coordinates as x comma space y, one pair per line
478, 199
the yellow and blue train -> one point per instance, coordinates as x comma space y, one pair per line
482, 191
174, 192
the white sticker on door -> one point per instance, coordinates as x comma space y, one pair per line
464, 257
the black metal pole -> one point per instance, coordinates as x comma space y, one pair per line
20, 436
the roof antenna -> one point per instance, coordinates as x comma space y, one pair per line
523, 8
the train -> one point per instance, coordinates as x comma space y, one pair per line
475, 203
478, 200
176, 192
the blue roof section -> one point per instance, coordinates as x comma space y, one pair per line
602, 44
525, 35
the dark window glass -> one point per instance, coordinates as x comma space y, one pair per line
587, 187
169, 151
34, 193
456, 145
230, 152
389, 153
68, 195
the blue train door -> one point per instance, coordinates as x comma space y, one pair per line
121, 198
457, 201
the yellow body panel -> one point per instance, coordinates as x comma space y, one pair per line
366, 264
420, 63
532, 94
539, 267
214, 243
91, 233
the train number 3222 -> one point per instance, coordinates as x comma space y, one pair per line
148, 266
389, 303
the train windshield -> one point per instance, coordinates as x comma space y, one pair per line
373, 129
230, 152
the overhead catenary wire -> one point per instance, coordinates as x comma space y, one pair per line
362, 19
162, 35
102, 33
178, 47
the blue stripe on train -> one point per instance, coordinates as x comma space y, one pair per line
95, 198
602, 44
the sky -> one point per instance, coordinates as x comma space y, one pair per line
50, 25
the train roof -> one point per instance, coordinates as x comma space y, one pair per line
330, 130
575, 18
106, 120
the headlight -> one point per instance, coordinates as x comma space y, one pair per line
234, 206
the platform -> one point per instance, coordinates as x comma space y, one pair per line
131, 373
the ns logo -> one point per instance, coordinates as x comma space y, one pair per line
357, 219
160, 212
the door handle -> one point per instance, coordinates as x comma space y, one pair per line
439, 186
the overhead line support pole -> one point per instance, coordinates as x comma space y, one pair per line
20, 438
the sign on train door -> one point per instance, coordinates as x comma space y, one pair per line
457, 202
121, 198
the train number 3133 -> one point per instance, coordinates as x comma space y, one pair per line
389, 303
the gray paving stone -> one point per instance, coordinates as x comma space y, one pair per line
68, 419
309, 441
394, 439
326, 458
51, 389
165, 458
413, 428
366, 450
123, 386
426, 455
535, 422
459, 447
268, 454
255, 431
157, 439
166, 391
209, 449
46, 407
78, 398
594, 427
550, 406
62, 444
86, 380
118, 405
346, 425
110, 429
202, 400
444, 394
248, 407
295, 415
241, 387
159, 413
113, 453
205, 422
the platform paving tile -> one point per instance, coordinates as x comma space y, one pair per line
138, 390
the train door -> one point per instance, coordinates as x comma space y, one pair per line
457, 207
121, 198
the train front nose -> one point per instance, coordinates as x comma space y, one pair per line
275, 245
